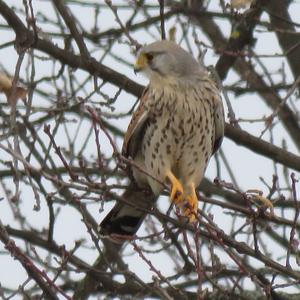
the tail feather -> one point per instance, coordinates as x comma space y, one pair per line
124, 220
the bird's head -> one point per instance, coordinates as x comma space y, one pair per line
166, 60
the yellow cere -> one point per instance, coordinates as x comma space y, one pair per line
141, 61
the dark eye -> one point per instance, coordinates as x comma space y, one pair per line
149, 56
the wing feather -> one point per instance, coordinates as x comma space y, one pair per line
136, 128
219, 120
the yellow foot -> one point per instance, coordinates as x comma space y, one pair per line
263, 200
177, 189
191, 207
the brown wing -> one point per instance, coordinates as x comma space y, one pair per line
219, 123
136, 128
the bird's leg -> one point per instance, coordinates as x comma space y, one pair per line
191, 208
177, 189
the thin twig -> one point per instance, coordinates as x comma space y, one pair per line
162, 19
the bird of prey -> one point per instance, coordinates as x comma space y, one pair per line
177, 127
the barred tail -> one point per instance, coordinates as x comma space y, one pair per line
124, 220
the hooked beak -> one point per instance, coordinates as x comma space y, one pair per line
136, 69
140, 63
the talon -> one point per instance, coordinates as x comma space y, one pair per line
257, 196
177, 190
191, 207
178, 194
265, 202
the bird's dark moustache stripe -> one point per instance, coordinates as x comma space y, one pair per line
157, 71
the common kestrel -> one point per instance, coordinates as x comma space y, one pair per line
177, 127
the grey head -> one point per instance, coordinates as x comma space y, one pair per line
167, 59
